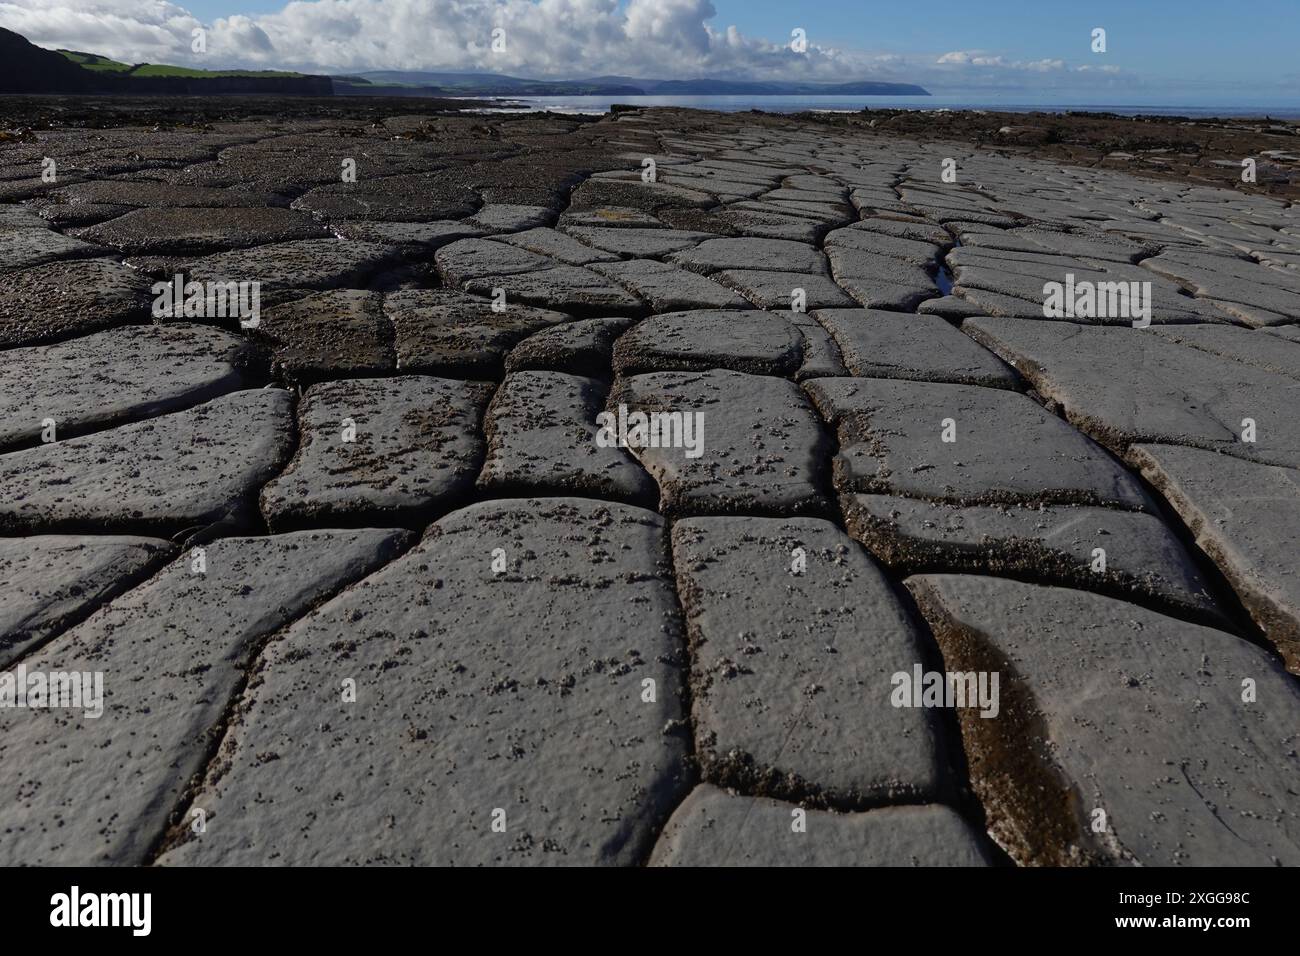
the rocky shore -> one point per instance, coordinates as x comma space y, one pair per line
555, 490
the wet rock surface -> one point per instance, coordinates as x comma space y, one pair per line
1126, 554
1247, 518
705, 473
1144, 718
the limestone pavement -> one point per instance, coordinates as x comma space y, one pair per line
552, 512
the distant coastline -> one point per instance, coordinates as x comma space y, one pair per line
390, 83
935, 102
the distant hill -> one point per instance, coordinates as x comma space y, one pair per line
403, 83
27, 68
709, 87
391, 83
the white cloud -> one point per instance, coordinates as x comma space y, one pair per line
970, 58
544, 38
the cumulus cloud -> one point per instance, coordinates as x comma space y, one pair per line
542, 38
964, 58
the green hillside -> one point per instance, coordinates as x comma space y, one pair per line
102, 64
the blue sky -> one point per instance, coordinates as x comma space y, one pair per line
1178, 50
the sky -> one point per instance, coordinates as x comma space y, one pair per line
1181, 50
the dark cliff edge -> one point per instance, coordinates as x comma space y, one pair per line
27, 68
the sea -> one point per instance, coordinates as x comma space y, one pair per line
596, 105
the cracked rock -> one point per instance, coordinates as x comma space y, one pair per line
96, 790
1143, 716
481, 717
795, 635
177, 471
382, 451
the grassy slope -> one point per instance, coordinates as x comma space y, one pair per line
102, 64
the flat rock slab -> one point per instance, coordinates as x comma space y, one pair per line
330, 334
1246, 517
760, 343
1289, 332
469, 259
55, 580
415, 198
583, 347
669, 288
639, 243
380, 451
572, 289
923, 348
1172, 394
64, 215
24, 248
415, 237
1240, 345
1140, 559
869, 270
152, 194
771, 226
918, 252
511, 217
1019, 289
599, 193
542, 440
446, 332
517, 696
94, 790
165, 474
714, 828
191, 231
1143, 717
63, 299
113, 377
559, 247
607, 217
785, 290
756, 444
1007, 449
795, 634
779, 255
284, 268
